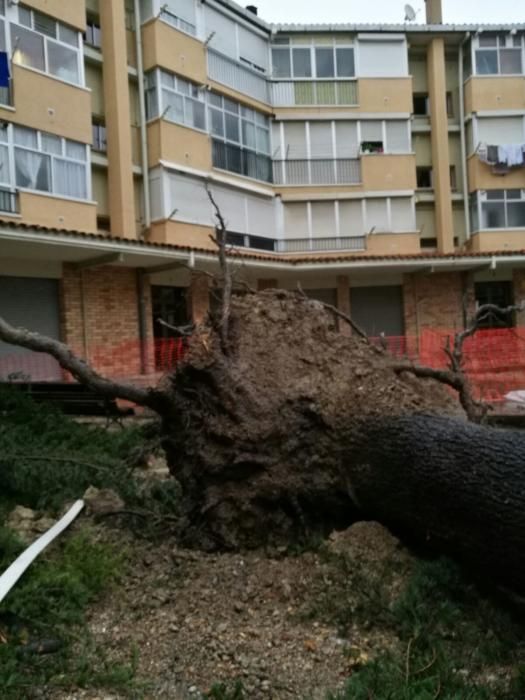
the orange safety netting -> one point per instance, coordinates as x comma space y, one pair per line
494, 360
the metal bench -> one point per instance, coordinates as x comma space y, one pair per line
73, 399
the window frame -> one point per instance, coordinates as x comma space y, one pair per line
503, 42
47, 41
504, 198
155, 87
40, 150
313, 49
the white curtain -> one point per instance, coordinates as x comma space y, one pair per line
69, 178
33, 170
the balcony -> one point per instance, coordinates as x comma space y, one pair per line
227, 156
308, 93
311, 245
340, 171
297, 245
244, 80
9, 201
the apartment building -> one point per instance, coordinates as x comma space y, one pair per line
381, 167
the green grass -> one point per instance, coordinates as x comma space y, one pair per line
49, 603
448, 636
48, 459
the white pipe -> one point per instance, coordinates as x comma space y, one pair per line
464, 164
142, 117
19, 566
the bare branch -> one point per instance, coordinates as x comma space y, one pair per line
227, 285
180, 330
353, 325
79, 369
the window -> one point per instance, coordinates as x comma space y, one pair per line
322, 62
50, 163
241, 138
499, 54
93, 34
503, 209
45, 44
99, 136
425, 178
499, 294
421, 104
175, 99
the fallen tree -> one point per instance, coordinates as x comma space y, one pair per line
298, 429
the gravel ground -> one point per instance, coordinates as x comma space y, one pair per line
199, 619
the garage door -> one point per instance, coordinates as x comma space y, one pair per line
378, 310
32, 303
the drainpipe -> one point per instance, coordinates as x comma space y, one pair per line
466, 198
142, 117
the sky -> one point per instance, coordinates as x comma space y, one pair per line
357, 11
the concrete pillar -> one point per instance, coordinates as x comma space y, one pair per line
343, 302
440, 145
199, 297
118, 119
434, 12
263, 284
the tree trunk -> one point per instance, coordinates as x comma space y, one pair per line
444, 483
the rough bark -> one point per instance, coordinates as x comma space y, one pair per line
448, 484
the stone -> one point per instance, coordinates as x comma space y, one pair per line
102, 501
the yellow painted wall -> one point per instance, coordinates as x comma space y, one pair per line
388, 172
51, 105
488, 242
426, 220
53, 212
99, 182
454, 145
178, 144
452, 84
417, 65
458, 215
178, 233
481, 177
71, 12
95, 83
423, 149
488, 93
385, 95
393, 244
165, 46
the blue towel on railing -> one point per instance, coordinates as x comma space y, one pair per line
4, 70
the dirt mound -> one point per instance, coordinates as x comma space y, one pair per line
259, 437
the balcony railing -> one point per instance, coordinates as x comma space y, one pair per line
315, 93
9, 201
178, 22
296, 245
228, 72
341, 171
235, 159
303, 245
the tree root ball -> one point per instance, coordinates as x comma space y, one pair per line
260, 437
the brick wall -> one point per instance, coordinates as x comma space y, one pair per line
436, 301
100, 318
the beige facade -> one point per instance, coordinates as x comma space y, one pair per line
354, 151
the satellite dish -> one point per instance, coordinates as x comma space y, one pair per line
410, 13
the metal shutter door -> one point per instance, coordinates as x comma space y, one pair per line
32, 303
